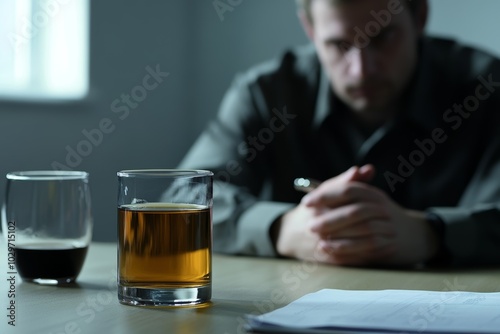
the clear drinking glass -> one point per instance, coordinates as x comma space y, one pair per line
48, 218
164, 237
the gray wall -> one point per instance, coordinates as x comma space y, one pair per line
472, 22
188, 39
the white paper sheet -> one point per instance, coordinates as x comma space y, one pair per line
385, 311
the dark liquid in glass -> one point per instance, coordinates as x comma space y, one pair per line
49, 261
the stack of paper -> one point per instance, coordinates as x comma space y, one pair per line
340, 311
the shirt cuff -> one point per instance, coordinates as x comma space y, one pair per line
460, 236
255, 222
442, 256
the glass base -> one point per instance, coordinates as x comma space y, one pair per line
50, 281
138, 296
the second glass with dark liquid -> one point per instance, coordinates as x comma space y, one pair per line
50, 262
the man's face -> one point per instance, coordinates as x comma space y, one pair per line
368, 49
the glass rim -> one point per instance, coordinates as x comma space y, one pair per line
46, 175
147, 173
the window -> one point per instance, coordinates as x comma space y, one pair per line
45, 50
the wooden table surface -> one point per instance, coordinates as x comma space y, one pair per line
241, 285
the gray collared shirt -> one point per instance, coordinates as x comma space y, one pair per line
440, 154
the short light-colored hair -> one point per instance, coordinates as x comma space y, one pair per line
305, 5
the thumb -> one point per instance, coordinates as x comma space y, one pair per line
365, 173
349, 175
358, 174
354, 174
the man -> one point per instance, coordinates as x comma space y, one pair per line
400, 127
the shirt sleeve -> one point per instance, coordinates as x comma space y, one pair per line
472, 229
241, 216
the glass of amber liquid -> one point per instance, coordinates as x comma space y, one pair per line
164, 237
47, 219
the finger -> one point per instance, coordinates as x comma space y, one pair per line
353, 174
364, 229
366, 173
336, 196
360, 246
359, 252
349, 175
338, 219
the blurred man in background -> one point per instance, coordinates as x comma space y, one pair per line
401, 128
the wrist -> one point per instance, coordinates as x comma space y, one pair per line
283, 235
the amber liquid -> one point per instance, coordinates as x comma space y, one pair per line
164, 245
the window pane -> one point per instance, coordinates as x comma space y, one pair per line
45, 49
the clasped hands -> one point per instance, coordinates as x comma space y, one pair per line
346, 221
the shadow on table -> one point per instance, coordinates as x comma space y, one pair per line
71, 286
220, 307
